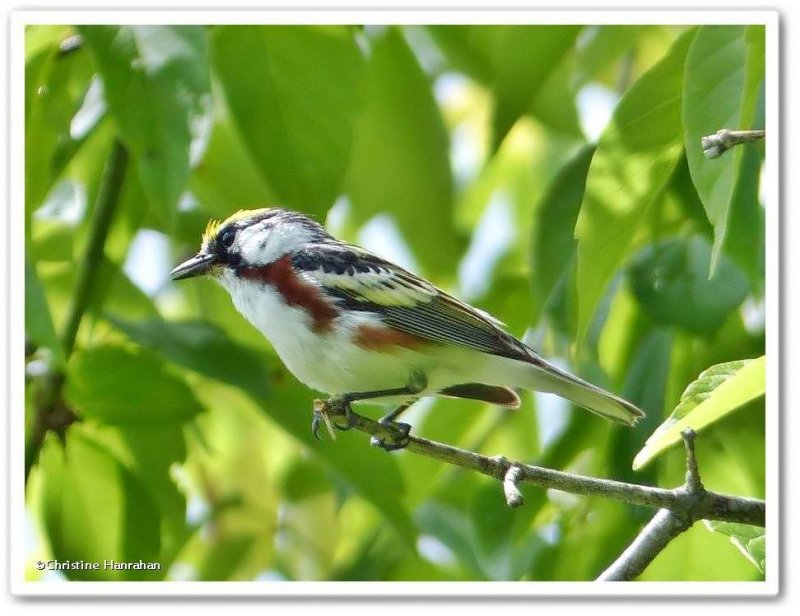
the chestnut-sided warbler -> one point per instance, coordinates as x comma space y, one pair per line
353, 325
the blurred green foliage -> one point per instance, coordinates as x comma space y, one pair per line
629, 257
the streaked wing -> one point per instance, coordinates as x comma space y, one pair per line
360, 280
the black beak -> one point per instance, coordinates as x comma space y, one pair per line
198, 264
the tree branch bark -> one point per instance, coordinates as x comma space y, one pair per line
663, 528
724, 139
678, 508
705, 505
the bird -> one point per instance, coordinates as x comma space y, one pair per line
360, 328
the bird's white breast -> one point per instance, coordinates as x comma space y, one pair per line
327, 361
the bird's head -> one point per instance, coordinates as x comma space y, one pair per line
250, 238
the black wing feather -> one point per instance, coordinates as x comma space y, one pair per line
433, 315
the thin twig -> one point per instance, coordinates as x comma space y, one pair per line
724, 139
51, 413
706, 506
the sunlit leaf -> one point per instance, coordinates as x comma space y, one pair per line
120, 386
724, 70
635, 158
717, 392
697, 554
157, 87
294, 102
750, 540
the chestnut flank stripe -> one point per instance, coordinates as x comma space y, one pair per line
381, 338
281, 276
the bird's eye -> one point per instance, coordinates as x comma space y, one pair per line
227, 236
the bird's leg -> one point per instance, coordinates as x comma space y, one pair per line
400, 430
339, 405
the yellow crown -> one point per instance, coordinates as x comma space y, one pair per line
214, 225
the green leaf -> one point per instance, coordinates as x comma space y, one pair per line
553, 243
304, 480
400, 163
95, 510
204, 348
468, 49
718, 391
453, 527
372, 473
554, 104
602, 46
227, 178
724, 70
699, 555
745, 238
645, 386
492, 524
55, 87
294, 101
112, 291
524, 57
150, 452
670, 281
121, 386
38, 322
518, 63
635, 158
750, 540
157, 88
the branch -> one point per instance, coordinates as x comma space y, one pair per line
663, 528
678, 508
702, 505
51, 412
724, 139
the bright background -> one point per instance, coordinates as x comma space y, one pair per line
460, 154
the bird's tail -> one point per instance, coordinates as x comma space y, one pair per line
548, 378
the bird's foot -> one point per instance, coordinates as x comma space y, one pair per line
397, 436
332, 407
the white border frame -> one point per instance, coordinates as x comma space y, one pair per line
771, 184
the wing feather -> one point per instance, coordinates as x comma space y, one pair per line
360, 280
